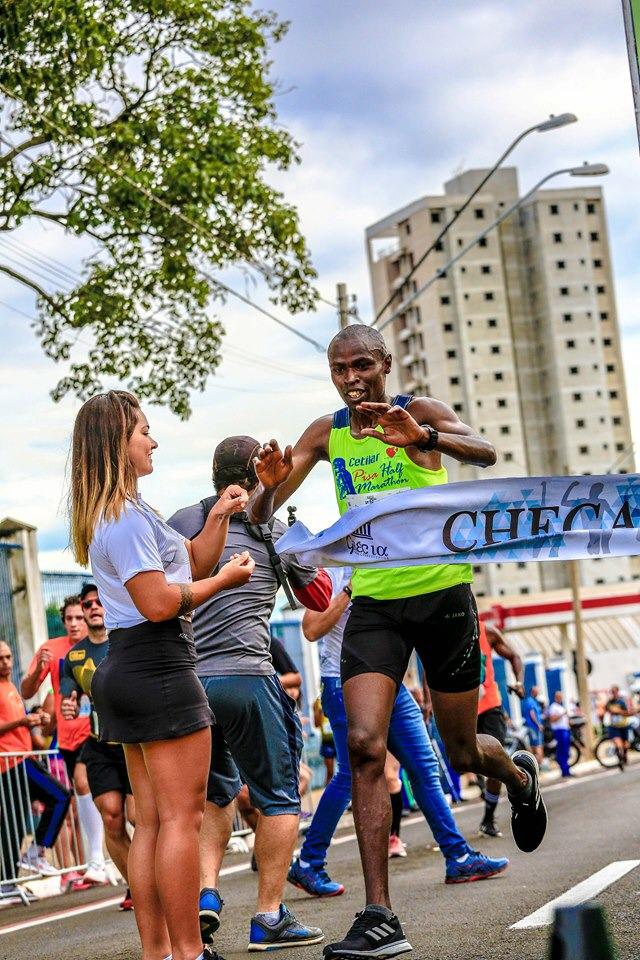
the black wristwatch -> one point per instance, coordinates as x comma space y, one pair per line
429, 444
348, 591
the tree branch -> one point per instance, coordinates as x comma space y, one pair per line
36, 141
34, 286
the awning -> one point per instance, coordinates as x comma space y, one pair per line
601, 636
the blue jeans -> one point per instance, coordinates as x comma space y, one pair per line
409, 742
563, 741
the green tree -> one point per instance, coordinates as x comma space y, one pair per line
108, 104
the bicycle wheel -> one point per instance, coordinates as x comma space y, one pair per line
574, 754
606, 753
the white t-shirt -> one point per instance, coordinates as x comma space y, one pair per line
138, 541
330, 646
558, 716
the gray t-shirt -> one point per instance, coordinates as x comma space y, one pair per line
232, 628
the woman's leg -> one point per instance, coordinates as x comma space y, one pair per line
142, 877
178, 771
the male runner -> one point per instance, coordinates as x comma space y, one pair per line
376, 447
618, 729
72, 734
491, 719
257, 734
408, 741
105, 762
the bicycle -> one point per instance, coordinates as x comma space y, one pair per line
607, 752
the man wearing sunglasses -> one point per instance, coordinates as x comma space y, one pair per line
105, 762
71, 733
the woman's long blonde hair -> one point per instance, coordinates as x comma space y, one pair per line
102, 475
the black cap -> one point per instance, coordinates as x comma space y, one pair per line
87, 588
233, 461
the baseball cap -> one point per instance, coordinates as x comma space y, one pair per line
87, 588
233, 461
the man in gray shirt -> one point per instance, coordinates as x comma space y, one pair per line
257, 737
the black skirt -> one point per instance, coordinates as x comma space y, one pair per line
146, 688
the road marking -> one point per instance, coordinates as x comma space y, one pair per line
242, 867
578, 894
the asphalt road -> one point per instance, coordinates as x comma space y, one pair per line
593, 822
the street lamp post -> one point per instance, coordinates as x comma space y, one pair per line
586, 170
552, 123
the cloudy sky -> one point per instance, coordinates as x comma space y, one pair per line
387, 101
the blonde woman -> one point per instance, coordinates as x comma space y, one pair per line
146, 691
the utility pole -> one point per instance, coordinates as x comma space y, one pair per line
581, 660
343, 305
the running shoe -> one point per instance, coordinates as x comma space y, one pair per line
95, 873
313, 880
209, 909
528, 812
127, 902
475, 867
396, 847
373, 934
287, 932
488, 828
36, 864
210, 954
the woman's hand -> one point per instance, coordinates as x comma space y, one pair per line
232, 500
237, 571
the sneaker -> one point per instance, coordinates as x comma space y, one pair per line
313, 880
210, 954
287, 932
36, 864
489, 829
127, 902
95, 873
209, 909
396, 847
372, 934
475, 867
528, 812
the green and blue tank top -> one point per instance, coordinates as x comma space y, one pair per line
365, 470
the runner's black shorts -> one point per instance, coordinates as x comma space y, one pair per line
106, 768
493, 722
442, 627
71, 758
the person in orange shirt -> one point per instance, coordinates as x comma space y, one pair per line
491, 718
72, 734
19, 787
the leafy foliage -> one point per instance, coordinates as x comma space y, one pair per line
109, 104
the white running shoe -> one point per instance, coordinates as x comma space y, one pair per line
36, 864
396, 847
95, 873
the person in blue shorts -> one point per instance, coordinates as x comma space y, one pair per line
533, 720
408, 741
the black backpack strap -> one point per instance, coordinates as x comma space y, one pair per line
264, 532
402, 400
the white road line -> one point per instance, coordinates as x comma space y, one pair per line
578, 894
242, 867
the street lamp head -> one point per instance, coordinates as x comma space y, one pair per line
590, 170
561, 120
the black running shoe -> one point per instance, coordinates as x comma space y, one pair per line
488, 828
372, 934
528, 812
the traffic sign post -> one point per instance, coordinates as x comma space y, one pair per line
631, 13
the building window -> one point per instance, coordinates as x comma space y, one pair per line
617, 421
561, 264
485, 268
524, 589
438, 246
564, 291
567, 317
502, 402
447, 327
574, 370
495, 348
619, 447
482, 242
436, 216
606, 341
579, 235
488, 295
604, 315
457, 407
583, 450
557, 238
508, 455
577, 396
492, 322
613, 394
451, 354
460, 242
454, 381
611, 368
445, 300
498, 376
580, 424
597, 264
469, 323
570, 344
463, 269
594, 236
478, 213
600, 289
521, 565
478, 403
466, 296
591, 208
554, 209
505, 429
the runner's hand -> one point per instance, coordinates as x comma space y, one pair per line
399, 429
31, 720
273, 466
70, 708
233, 500
237, 571
44, 659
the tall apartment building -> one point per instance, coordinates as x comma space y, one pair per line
520, 337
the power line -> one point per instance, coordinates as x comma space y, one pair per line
175, 212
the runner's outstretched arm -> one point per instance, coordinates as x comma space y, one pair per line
281, 472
